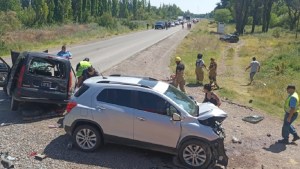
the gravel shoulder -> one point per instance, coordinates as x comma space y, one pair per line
257, 150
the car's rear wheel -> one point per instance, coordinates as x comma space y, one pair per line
195, 154
14, 104
87, 138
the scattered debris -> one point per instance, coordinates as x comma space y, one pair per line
6, 163
32, 154
53, 126
40, 156
5, 124
253, 119
230, 102
236, 140
70, 146
43, 116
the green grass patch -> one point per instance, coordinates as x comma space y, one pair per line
277, 51
54, 36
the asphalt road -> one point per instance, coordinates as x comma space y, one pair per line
107, 53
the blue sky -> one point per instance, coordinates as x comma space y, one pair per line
194, 6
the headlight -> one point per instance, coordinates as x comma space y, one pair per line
216, 124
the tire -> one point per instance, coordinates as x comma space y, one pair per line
14, 104
195, 154
91, 133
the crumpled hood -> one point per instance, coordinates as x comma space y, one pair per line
208, 110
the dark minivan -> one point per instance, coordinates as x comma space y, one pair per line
37, 77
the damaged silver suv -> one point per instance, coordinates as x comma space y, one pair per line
146, 113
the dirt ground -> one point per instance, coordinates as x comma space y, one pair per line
258, 148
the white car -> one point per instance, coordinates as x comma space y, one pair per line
146, 113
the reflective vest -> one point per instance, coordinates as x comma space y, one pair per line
287, 103
82, 65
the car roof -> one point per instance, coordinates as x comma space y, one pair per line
143, 82
45, 55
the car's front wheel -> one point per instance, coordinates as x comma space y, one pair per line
87, 138
195, 154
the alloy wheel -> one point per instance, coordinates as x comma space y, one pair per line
194, 155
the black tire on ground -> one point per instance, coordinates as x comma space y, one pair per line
92, 136
202, 151
14, 104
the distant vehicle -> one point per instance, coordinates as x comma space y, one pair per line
180, 18
146, 113
177, 23
37, 77
172, 24
230, 38
160, 25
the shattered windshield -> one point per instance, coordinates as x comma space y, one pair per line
182, 100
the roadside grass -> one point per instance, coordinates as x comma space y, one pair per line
55, 36
198, 41
278, 53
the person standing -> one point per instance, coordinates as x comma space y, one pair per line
82, 65
64, 53
255, 67
199, 69
291, 108
210, 96
213, 73
179, 75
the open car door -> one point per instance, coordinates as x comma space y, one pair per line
4, 70
14, 56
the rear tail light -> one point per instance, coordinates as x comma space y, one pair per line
70, 106
20, 79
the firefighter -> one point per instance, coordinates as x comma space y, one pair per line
179, 75
82, 65
199, 69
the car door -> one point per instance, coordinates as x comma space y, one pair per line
152, 123
4, 70
114, 113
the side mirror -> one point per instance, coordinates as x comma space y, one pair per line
176, 117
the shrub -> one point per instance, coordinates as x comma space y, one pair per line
9, 22
276, 33
106, 20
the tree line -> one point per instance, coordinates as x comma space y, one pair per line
31, 13
265, 13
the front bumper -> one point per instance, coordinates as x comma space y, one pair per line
68, 130
218, 150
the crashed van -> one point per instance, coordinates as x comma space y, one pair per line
36, 77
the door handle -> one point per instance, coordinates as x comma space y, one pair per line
100, 107
141, 118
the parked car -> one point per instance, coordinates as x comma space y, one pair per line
146, 113
230, 38
177, 23
37, 77
160, 25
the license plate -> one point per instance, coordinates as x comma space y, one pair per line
46, 84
